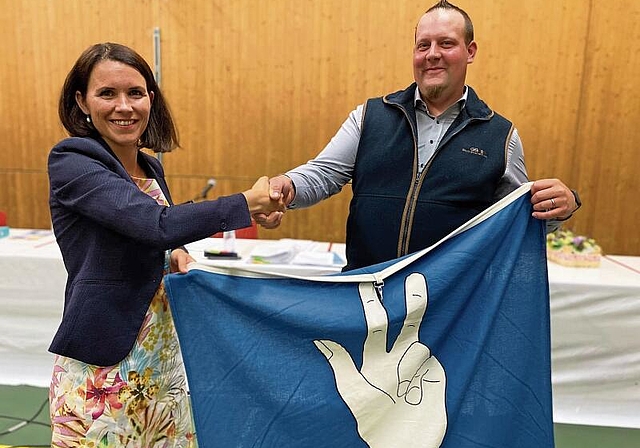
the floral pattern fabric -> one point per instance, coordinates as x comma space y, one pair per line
141, 402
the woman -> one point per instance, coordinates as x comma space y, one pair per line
118, 376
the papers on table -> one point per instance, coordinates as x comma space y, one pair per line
317, 259
267, 254
288, 251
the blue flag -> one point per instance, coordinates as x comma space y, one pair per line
448, 347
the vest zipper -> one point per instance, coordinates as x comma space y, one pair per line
403, 244
404, 224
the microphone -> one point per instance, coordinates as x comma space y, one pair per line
210, 184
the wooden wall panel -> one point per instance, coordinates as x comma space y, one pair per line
528, 69
19, 201
607, 157
39, 42
260, 87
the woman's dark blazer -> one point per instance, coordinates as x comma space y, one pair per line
113, 239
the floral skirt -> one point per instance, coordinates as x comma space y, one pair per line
141, 402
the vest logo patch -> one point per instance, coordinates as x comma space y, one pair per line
475, 151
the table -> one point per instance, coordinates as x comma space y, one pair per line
304, 249
595, 334
595, 322
32, 281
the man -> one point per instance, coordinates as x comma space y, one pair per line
424, 160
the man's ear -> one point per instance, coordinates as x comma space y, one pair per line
81, 104
472, 49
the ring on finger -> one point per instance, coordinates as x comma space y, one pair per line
553, 203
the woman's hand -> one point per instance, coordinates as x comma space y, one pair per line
259, 198
280, 188
179, 261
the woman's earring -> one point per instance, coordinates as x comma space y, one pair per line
89, 119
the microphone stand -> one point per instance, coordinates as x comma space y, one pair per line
205, 191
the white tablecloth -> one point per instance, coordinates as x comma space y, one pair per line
595, 322
293, 248
595, 335
32, 281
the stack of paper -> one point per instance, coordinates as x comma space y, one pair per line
279, 252
315, 258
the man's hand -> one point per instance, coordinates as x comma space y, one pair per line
280, 189
260, 200
552, 199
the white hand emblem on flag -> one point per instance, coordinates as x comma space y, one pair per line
398, 397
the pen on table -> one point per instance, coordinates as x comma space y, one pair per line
44, 244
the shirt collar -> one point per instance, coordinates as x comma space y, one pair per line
459, 105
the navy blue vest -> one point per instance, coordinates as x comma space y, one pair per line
393, 211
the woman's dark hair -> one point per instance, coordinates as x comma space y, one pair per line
160, 135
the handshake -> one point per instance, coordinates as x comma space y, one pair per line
268, 200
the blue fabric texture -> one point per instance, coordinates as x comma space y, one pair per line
257, 378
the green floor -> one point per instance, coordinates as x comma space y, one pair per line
575, 436
20, 404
